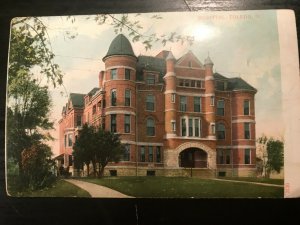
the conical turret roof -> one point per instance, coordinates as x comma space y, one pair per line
208, 61
120, 46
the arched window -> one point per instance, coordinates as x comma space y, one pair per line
113, 97
220, 131
150, 127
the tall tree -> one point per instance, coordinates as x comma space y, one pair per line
84, 147
272, 154
109, 149
30, 68
97, 146
275, 155
27, 117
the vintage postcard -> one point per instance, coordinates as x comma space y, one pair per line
154, 105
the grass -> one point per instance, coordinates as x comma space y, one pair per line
60, 189
180, 187
254, 179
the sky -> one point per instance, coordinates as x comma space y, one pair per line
241, 44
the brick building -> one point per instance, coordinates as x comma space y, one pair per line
172, 114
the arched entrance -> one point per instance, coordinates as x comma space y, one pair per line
193, 158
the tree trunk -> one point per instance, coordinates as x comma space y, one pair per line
101, 171
94, 168
87, 169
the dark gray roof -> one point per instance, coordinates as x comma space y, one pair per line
239, 84
93, 91
77, 99
152, 64
233, 84
218, 76
120, 46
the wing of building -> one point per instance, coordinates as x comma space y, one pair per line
172, 114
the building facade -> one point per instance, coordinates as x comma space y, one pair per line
175, 116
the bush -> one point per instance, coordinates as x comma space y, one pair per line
36, 167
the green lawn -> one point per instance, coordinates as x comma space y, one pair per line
254, 179
180, 187
60, 189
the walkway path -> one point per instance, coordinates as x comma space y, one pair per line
97, 191
248, 182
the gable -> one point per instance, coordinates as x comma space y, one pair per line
189, 60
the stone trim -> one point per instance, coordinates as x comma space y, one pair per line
118, 67
120, 112
243, 121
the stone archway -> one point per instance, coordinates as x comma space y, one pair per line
172, 155
193, 158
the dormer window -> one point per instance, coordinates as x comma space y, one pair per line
220, 85
150, 79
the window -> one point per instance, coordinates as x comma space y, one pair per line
70, 141
158, 154
150, 153
199, 84
197, 128
220, 157
173, 124
127, 124
181, 82
103, 103
173, 97
190, 64
246, 107
197, 104
113, 74
150, 127
220, 108
150, 79
193, 83
183, 127
126, 155
94, 109
247, 156
113, 123
213, 128
78, 120
127, 97
113, 97
190, 127
150, 101
247, 130
142, 154
65, 141
193, 125
186, 83
127, 74
183, 103
220, 85
220, 131
212, 100
227, 156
